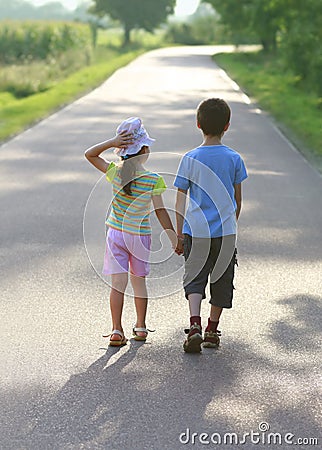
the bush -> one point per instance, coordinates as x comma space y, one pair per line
203, 27
182, 33
302, 53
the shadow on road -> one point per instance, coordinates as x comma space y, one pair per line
150, 394
301, 331
114, 404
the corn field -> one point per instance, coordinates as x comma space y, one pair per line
32, 41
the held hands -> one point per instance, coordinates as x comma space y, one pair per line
179, 247
176, 241
123, 140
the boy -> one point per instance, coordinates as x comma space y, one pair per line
212, 173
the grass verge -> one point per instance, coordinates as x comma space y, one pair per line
58, 86
17, 114
298, 113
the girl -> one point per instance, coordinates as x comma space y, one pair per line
128, 238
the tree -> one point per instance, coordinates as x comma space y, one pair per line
235, 16
246, 17
146, 14
301, 38
266, 21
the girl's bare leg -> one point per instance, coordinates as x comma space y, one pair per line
141, 302
119, 283
194, 304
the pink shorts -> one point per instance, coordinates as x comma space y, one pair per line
126, 251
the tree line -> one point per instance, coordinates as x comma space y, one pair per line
290, 28
23, 10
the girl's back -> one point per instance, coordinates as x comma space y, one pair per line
130, 212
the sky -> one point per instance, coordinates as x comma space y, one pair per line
183, 8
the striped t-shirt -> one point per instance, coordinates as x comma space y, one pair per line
130, 213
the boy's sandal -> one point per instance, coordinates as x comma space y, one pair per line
117, 342
211, 339
137, 337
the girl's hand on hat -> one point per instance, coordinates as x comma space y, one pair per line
123, 140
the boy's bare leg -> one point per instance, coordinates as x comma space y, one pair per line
119, 283
141, 302
211, 337
215, 313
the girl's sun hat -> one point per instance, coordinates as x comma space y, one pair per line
135, 126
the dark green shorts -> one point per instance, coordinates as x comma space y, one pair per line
210, 259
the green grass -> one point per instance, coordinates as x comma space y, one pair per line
25, 79
18, 114
57, 86
296, 110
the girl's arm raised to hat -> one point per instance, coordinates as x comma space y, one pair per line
92, 154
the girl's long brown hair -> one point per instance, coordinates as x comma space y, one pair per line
128, 171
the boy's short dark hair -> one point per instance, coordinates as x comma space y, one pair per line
213, 115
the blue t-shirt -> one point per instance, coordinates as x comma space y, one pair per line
209, 173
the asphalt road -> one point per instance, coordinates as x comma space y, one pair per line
61, 386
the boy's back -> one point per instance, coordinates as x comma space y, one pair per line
210, 173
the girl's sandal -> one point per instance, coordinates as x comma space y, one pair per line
117, 342
137, 337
